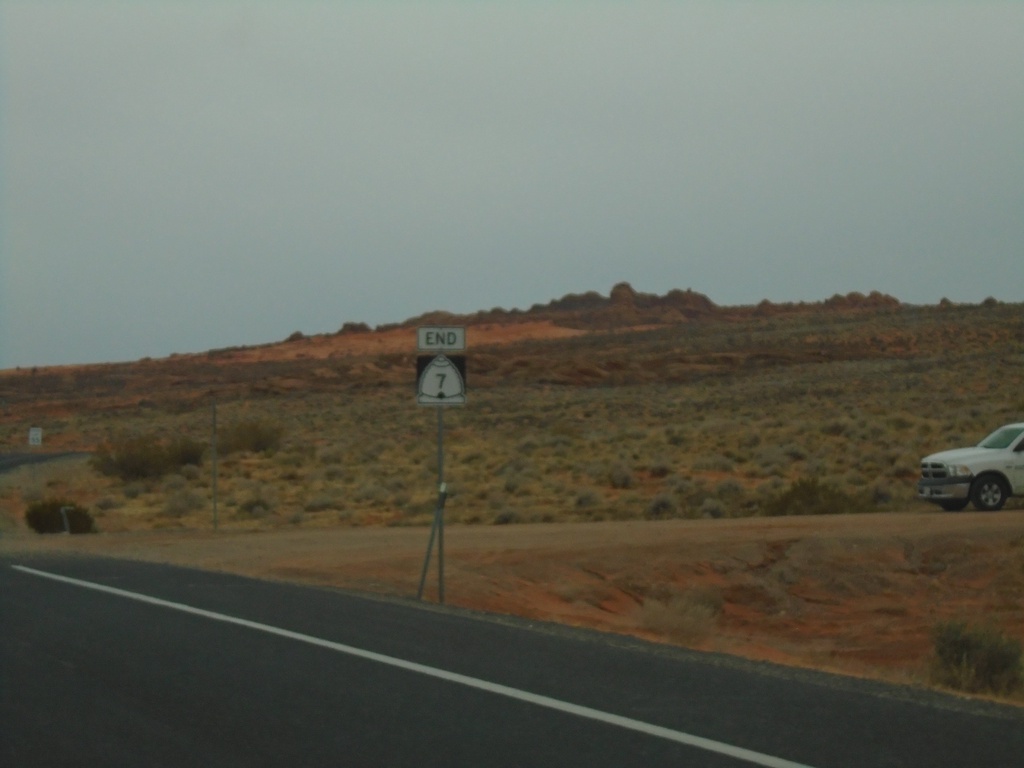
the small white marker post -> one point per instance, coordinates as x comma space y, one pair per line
35, 440
440, 382
64, 517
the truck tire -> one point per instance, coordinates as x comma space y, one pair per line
953, 505
989, 492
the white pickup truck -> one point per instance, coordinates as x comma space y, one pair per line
985, 475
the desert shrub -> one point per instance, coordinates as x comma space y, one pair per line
332, 456
253, 435
714, 463
190, 472
661, 506
322, 502
175, 483
976, 659
587, 498
620, 476
681, 485
182, 502
507, 517
183, 451
371, 492
140, 457
255, 506
686, 617
44, 517
132, 490
795, 452
881, 494
132, 458
810, 496
675, 438
729, 489
836, 428
296, 456
661, 469
711, 507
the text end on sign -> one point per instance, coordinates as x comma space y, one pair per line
440, 338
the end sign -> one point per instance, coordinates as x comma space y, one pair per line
438, 338
440, 375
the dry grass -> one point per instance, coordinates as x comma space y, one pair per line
685, 618
712, 419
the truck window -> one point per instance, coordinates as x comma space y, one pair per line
1001, 438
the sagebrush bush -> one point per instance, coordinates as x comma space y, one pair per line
181, 502
686, 617
140, 457
253, 435
976, 659
711, 507
810, 496
661, 469
45, 516
661, 507
621, 477
132, 458
322, 502
183, 451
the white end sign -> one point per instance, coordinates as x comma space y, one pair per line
440, 338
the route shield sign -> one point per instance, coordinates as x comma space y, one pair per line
441, 380
35, 436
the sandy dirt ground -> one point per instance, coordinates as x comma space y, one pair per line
857, 594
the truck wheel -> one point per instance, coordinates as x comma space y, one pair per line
989, 492
954, 505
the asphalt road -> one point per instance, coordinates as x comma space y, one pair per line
9, 461
115, 663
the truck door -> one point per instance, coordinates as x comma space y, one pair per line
1015, 466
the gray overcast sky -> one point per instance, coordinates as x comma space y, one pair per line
181, 176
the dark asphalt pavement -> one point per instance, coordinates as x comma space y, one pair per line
9, 461
94, 678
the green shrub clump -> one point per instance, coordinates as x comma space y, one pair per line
141, 457
45, 516
183, 451
810, 496
976, 659
253, 435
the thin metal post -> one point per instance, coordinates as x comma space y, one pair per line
437, 527
442, 494
213, 461
426, 560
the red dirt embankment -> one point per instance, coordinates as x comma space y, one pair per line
855, 594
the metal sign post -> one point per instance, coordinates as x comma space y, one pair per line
213, 459
437, 526
35, 441
440, 382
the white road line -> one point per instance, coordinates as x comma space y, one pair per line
710, 745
